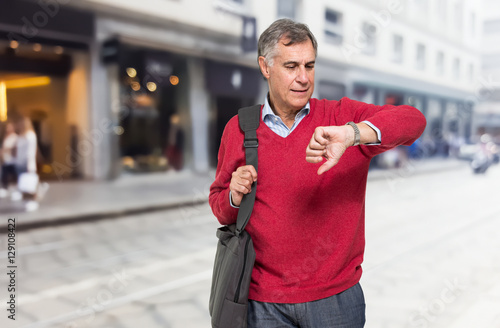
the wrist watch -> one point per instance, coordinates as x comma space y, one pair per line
357, 135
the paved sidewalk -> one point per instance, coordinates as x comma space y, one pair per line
71, 201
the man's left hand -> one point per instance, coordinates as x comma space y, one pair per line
330, 143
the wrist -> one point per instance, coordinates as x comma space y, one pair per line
354, 135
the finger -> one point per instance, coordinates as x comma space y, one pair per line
245, 175
314, 159
313, 144
252, 171
314, 153
248, 169
327, 166
317, 141
319, 136
240, 188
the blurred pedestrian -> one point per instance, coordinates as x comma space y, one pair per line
307, 223
26, 151
9, 172
175, 143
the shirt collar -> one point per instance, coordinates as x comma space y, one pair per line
267, 110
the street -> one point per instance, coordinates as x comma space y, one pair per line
432, 260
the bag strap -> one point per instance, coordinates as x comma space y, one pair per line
249, 119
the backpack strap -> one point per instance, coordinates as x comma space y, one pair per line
249, 120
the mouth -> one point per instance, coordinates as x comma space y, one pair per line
300, 91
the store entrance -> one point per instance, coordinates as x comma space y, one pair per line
227, 107
151, 90
47, 86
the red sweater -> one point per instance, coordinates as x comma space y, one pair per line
308, 230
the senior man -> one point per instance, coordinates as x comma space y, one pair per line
308, 220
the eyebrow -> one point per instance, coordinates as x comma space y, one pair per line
295, 62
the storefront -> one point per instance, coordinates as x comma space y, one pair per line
44, 69
150, 89
231, 87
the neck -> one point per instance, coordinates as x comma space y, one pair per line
287, 115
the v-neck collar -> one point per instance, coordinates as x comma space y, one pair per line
276, 124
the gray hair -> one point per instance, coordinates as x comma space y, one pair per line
285, 27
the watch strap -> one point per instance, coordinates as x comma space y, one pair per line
357, 135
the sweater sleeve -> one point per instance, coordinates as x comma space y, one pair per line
231, 156
399, 125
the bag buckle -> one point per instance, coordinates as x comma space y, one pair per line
251, 143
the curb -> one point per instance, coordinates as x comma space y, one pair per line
90, 217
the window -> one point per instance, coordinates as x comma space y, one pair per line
492, 26
458, 16
470, 73
472, 24
398, 49
333, 27
369, 32
440, 63
456, 68
287, 8
442, 10
422, 5
420, 62
330, 90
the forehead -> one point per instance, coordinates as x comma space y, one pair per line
297, 52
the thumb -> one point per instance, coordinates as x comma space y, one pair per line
327, 165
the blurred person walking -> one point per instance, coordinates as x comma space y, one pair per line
307, 223
25, 160
175, 143
9, 172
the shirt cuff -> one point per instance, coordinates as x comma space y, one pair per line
379, 135
231, 202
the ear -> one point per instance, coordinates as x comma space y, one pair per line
264, 67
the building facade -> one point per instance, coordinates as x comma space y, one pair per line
422, 53
487, 119
150, 85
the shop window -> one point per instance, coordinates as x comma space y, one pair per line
331, 90
395, 99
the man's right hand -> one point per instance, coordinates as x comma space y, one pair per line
241, 183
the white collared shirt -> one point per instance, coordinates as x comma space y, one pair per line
275, 123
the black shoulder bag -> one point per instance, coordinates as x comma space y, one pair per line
235, 254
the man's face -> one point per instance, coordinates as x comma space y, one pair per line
291, 77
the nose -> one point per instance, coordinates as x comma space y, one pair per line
302, 76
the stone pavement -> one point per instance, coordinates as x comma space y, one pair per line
71, 201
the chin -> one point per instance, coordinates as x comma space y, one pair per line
300, 103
